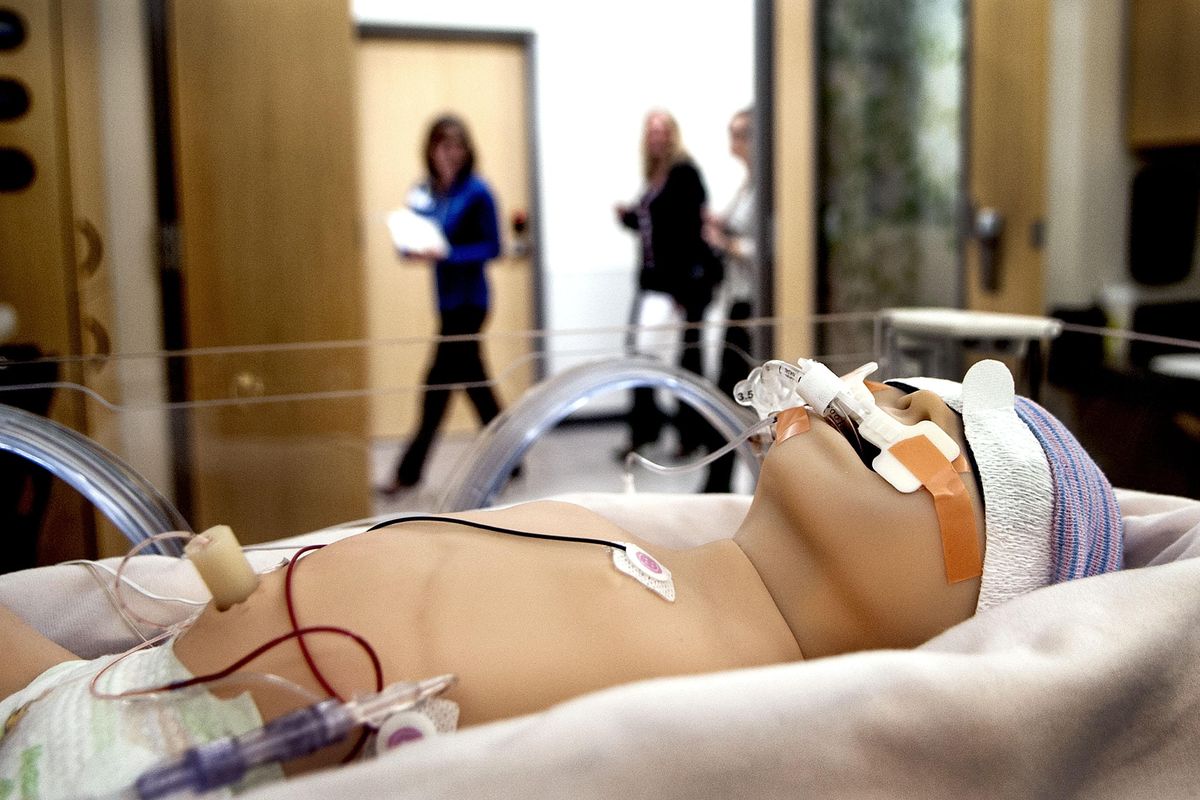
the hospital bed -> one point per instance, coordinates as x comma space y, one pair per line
1082, 689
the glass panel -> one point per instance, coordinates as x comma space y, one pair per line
281, 440
890, 78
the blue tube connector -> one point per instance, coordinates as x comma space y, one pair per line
226, 761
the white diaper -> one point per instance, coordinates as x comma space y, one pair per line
59, 741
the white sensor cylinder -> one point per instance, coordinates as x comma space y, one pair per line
218, 557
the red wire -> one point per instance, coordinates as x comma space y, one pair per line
262, 648
298, 633
308, 659
291, 609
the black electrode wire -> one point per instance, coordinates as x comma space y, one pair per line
496, 529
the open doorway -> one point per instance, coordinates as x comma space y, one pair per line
407, 77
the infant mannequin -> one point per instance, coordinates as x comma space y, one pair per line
829, 559
525, 624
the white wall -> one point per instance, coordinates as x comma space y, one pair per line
599, 68
1088, 167
131, 236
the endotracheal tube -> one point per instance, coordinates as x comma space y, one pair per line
778, 385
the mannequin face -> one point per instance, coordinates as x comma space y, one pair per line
862, 562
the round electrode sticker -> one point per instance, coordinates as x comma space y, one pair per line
401, 728
647, 563
645, 569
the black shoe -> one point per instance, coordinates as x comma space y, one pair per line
396, 487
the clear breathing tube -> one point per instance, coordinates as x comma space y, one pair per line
225, 761
635, 459
778, 385
771, 388
484, 469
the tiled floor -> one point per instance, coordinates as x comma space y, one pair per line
580, 456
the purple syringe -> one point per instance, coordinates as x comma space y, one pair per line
225, 761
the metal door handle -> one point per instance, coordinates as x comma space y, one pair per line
989, 231
93, 253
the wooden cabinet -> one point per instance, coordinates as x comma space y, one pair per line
51, 266
1164, 73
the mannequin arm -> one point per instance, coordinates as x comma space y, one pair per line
29, 653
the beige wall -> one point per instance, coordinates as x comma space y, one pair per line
130, 235
1088, 168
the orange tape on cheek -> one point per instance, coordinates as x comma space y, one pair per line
791, 422
956, 517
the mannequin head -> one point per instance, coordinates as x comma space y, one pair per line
863, 566
868, 570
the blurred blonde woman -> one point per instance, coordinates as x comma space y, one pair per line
675, 261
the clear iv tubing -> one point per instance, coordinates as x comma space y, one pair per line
634, 458
485, 468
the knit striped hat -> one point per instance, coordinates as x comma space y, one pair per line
1050, 513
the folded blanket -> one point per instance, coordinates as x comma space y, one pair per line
1084, 689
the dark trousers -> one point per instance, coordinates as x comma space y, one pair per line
734, 367
645, 417
453, 362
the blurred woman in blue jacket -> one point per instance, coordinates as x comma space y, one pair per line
462, 206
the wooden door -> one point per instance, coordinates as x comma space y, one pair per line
403, 85
263, 100
1007, 150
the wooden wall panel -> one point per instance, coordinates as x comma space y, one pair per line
37, 274
795, 171
1164, 73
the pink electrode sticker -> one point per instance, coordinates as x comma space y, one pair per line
404, 735
645, 569
401, 728
649, 563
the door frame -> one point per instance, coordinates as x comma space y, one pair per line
526, 40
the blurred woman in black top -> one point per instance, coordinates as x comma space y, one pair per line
675, 260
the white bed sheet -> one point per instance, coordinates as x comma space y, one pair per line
1088, 689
